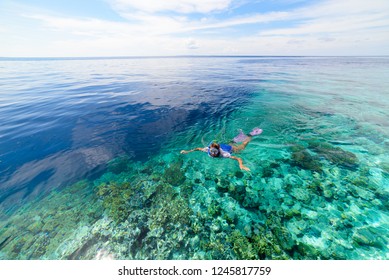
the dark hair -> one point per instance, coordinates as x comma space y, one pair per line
215, 145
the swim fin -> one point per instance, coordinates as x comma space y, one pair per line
241, 137
256, 131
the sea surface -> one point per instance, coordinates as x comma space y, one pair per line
90, 163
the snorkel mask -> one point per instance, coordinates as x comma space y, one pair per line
214, 152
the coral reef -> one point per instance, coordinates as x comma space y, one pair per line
333, 154
173, 174
120, 199
305, 160
309, 201
119, 164
39, 229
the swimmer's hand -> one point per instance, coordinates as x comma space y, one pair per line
242, 167
195, 149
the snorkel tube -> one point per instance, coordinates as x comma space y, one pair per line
212, 151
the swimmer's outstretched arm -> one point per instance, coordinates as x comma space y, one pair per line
195, 149
241, 163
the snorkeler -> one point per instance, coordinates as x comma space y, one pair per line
225, 150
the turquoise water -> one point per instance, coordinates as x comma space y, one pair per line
90, 163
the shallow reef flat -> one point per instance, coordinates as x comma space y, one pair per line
187, 207
42, 228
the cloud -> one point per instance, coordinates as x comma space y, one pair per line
327, 39
192, 44
320, 17
83, 27
170, 28
335, 17
328, 16
180, 6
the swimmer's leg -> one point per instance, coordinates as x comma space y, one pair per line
242, 146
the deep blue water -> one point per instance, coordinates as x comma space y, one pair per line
64, 120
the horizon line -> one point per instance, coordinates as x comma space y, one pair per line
167, 56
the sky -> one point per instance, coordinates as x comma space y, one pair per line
88, 28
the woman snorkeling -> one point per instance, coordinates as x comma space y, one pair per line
225, 150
